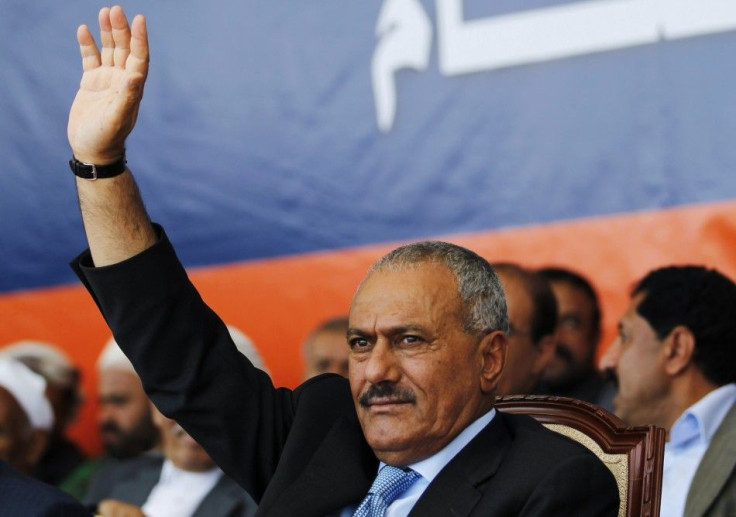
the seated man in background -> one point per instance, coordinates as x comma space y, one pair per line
126, 427
26, 417
532, 319
675, 362
326, 348
185, 475
572, 371
185, 483
62, 456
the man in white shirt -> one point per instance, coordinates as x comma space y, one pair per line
186, 482
674, 360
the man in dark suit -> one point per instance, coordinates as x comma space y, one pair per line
427, 345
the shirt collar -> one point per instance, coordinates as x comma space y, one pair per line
430, 467
171, 473
701, 420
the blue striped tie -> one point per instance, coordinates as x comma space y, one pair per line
390, 483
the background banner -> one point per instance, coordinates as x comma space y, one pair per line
284, 146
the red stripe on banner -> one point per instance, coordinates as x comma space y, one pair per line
277, 302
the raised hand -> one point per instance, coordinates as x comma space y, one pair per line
106, 106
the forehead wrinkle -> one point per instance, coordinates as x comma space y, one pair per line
430, 299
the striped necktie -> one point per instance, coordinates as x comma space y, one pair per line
390, 483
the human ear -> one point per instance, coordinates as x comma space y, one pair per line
680, 348
546, 348
493, 348
35, 447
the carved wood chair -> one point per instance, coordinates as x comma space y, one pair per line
635, 455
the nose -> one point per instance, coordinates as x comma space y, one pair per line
609, 360
382, 363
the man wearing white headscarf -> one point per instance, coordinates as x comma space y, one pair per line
25, 419
62, 455
25, 415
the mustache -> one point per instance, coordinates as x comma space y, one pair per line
610, 375
110, 427
386, 390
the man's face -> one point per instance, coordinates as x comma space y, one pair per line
576, 337
327, 352
637, 358
180, 448
415, 374
15, 432
124, 414
525, 360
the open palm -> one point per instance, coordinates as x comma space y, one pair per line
106, 106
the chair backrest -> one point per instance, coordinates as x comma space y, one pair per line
635, 455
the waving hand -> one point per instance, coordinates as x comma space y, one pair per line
106, 106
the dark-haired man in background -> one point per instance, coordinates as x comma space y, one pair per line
326, 349
532, 321
675, 361
572, 372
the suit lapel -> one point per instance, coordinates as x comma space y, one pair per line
455, 489
339, 474
715, 468
218, 501
136, 489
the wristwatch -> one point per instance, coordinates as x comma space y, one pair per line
90, 171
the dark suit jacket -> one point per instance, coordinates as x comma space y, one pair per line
713, 490
108, 471
226, 499
302, 452
22, 495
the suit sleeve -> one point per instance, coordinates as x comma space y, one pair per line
188, 364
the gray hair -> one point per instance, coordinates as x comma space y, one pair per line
478, 285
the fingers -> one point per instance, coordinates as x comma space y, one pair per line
139, 56
87, 48
120, 36
120, 42
106, 39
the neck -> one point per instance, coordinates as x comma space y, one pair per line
688, 389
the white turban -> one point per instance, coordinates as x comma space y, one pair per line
245, 346
113, 357
29, 390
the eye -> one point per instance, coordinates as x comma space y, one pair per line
571, 322
358, 343
410, 340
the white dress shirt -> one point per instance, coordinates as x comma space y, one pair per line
429, 468
178, 493
690, 437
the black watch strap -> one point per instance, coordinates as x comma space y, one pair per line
90, 171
